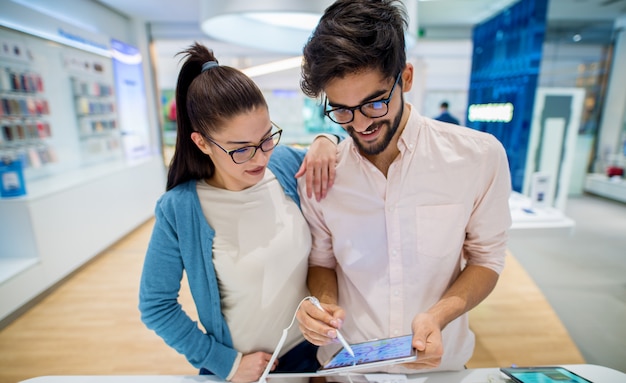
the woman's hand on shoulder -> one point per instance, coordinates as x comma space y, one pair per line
319, 167
252, 366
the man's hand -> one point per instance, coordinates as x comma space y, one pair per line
319, 327
252, 366
427, 341
319, 167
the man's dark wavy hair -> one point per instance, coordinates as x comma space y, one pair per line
353, 36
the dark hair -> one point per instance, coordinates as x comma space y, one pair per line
205, 100
355, 35
444, 104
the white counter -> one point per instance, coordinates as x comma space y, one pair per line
66, 221
594, 373
613, 188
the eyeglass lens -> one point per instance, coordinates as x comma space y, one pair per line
371, 109
247, 152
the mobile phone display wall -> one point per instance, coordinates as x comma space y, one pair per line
24, 111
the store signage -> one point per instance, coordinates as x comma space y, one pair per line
11, 178
492, 112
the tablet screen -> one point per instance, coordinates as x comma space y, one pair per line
373, 353
543, 375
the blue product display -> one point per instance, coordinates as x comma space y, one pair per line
12, 178
506, 61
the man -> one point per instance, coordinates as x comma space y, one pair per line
445, 115
413, 233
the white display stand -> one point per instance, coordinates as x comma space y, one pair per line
552, 142
600, 184
531, 220
66, 221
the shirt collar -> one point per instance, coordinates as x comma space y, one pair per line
408, 138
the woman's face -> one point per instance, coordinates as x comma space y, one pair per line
243, 130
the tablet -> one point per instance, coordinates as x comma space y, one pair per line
549, 374
373, 353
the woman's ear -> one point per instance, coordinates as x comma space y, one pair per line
201, 143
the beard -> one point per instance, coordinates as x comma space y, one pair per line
377, 148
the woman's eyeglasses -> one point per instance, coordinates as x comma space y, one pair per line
246, 153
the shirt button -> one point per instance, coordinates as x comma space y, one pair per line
395, 332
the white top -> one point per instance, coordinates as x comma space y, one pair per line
398, 242
260, 255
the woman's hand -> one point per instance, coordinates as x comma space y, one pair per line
320, 326
252, 366
319, 167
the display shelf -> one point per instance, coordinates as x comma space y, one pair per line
98, 133
613, 188
59, 94
24, 128
533, 220
10, 266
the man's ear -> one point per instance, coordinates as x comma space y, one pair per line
201, 142
407, 77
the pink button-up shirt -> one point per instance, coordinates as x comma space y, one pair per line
398, 242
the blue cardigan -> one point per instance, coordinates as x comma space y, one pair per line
183, 240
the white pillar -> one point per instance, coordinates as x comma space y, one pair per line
614, 113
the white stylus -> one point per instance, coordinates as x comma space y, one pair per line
345, 344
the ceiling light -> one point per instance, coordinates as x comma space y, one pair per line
281, 26
273, 67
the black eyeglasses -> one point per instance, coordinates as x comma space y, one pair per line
245, 153
371, 109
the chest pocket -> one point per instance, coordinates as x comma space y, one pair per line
440, 230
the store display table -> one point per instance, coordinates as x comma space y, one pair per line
531, 220
608, 187
594, 373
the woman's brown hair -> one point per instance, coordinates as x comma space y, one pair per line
205, 100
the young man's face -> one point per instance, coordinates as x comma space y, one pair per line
371, 135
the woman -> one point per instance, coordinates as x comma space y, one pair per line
230, 219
